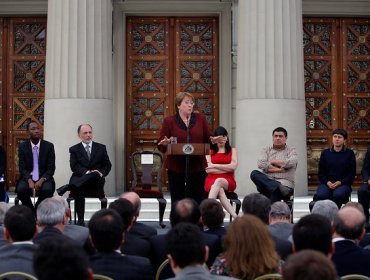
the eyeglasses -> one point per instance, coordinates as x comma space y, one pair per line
189, 102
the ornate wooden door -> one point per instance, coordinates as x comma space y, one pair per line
337, 86
166, 55
22, 83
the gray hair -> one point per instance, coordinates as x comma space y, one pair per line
280, 210
4, 207
326, 208
50, 212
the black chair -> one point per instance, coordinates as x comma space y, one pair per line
234, 199
146, 167
93, 191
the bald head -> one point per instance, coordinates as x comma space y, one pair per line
134, 198
349, 223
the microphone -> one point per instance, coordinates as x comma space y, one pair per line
187, 129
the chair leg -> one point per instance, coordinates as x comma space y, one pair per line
16, 200
238, 204
69, 199
103, 202
162, 207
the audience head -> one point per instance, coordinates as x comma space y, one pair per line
185, 210
349, 223
106, 230
125, 209
258, 205
59, 259
249, 248
326, 208
134, 198
356, 205
51, 212
4, 207
308, 265
314, 232
212, 213
279, 212
19, 224
185, 246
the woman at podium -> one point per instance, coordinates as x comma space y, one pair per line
186, 174
222, 162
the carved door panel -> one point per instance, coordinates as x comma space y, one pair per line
23, 54
337, 86
166, 55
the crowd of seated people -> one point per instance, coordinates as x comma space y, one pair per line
198, 245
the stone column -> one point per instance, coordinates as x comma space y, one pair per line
270, 85
79, 78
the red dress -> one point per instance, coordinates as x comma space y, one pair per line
220, 158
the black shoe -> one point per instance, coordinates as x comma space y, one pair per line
63, 189
81, 223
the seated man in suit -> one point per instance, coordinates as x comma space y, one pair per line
187, 253
348, 257
133, 244
278, 164
364, 190
36, 167
20, 228
90, 165
107, 235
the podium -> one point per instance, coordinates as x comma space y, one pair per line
188, 149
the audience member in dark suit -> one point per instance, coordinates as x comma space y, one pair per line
348, 257
187, 253
280, 219
4, 207
138, 229
36, 167
185, 210
2, 173
106, 231
313, 232
20, 227
258, 205
90, 165
364, 190
132, 244
59, 259
212, 217
309, 264
51, 220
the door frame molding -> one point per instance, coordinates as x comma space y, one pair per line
163, 8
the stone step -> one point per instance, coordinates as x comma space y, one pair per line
149, 207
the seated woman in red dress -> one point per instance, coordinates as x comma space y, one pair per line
222, 163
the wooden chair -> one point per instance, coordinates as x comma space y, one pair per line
354, 277
93, 191
269, 276
164, 271
16, 275
101, 277
146, 167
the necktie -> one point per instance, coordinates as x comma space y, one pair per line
87, 148
35, 170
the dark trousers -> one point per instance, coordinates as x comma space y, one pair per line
266, 186
363, 194
194, 189
81, 186
339, 195
24, 192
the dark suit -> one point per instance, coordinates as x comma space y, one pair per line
158, 249
80, 164
46, 170
17, 257
350, 258
3, 241
81, 236
143, 231
135, 246
117, 266
364, 191
51, 232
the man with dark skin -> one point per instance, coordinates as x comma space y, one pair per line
36, 167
